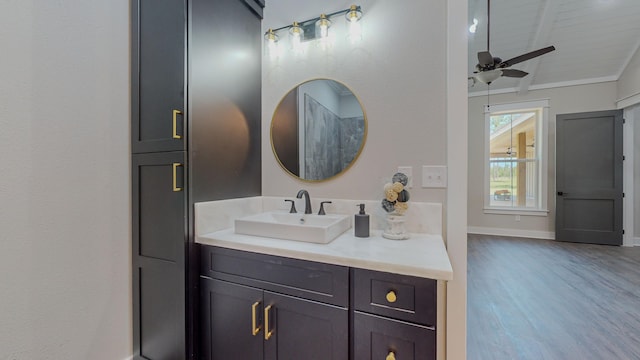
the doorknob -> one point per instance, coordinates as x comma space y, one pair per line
560, 193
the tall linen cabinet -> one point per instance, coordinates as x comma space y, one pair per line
195, 128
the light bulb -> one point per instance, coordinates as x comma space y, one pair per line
322, 26
354, 14
355, 29
474, 26
296, 34
272, 43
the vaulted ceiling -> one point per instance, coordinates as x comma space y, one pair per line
594, 40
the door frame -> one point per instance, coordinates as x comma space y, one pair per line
628, 136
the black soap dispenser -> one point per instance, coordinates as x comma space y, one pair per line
361, 227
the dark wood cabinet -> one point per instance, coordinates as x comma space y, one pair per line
394, 316
309, 310
241, 322
159, 208
184, 58
401, 297
231, 321
225, 131
304, 329
158, 75
264, 320
376, 337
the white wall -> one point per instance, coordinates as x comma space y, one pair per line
401, 85
64, 190
563, 100
400, 73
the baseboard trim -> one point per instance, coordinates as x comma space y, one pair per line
535, 234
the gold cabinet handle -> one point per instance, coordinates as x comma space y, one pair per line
391, 296
254, 329
175, 124
267, 332
175, 177
391, 356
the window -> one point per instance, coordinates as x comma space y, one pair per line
515, 169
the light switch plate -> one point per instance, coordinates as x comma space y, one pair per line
407, 170
434, 176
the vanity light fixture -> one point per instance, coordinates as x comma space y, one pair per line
296, 33
316, 28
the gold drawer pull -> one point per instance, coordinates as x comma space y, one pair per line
175, 177
391, 297
267, 332
254, 329
175, 125
391, 356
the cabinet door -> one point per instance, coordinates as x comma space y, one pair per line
304, 329
158, 253
159, 206
225, 119
157, 75
381, 338
231, 325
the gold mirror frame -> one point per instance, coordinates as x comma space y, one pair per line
285, 130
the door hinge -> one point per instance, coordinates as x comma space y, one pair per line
622, 231
623, 157
622, 194
624, 121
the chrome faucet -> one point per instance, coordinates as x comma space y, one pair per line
307, 201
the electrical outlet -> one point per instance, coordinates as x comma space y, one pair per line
434, 176
517, 217
407, 170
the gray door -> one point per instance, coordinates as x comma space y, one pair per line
589, 177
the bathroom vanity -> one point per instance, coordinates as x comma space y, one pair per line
353, 298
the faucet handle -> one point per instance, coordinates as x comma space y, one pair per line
293, 207
321, 212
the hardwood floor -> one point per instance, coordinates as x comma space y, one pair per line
541, 299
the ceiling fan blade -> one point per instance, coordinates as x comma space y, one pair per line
514, 73
485, 58
525, 57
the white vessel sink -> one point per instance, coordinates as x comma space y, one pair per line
320, 229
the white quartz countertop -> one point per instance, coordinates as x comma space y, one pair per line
422, 255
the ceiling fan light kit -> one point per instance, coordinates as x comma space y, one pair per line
490, 68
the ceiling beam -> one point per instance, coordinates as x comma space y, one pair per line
540, 40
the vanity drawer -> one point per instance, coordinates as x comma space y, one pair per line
376, 337
401, 297
307, 279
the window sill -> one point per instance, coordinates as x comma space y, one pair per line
516, 211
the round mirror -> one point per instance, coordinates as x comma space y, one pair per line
318, 130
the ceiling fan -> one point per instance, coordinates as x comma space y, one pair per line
489, 68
